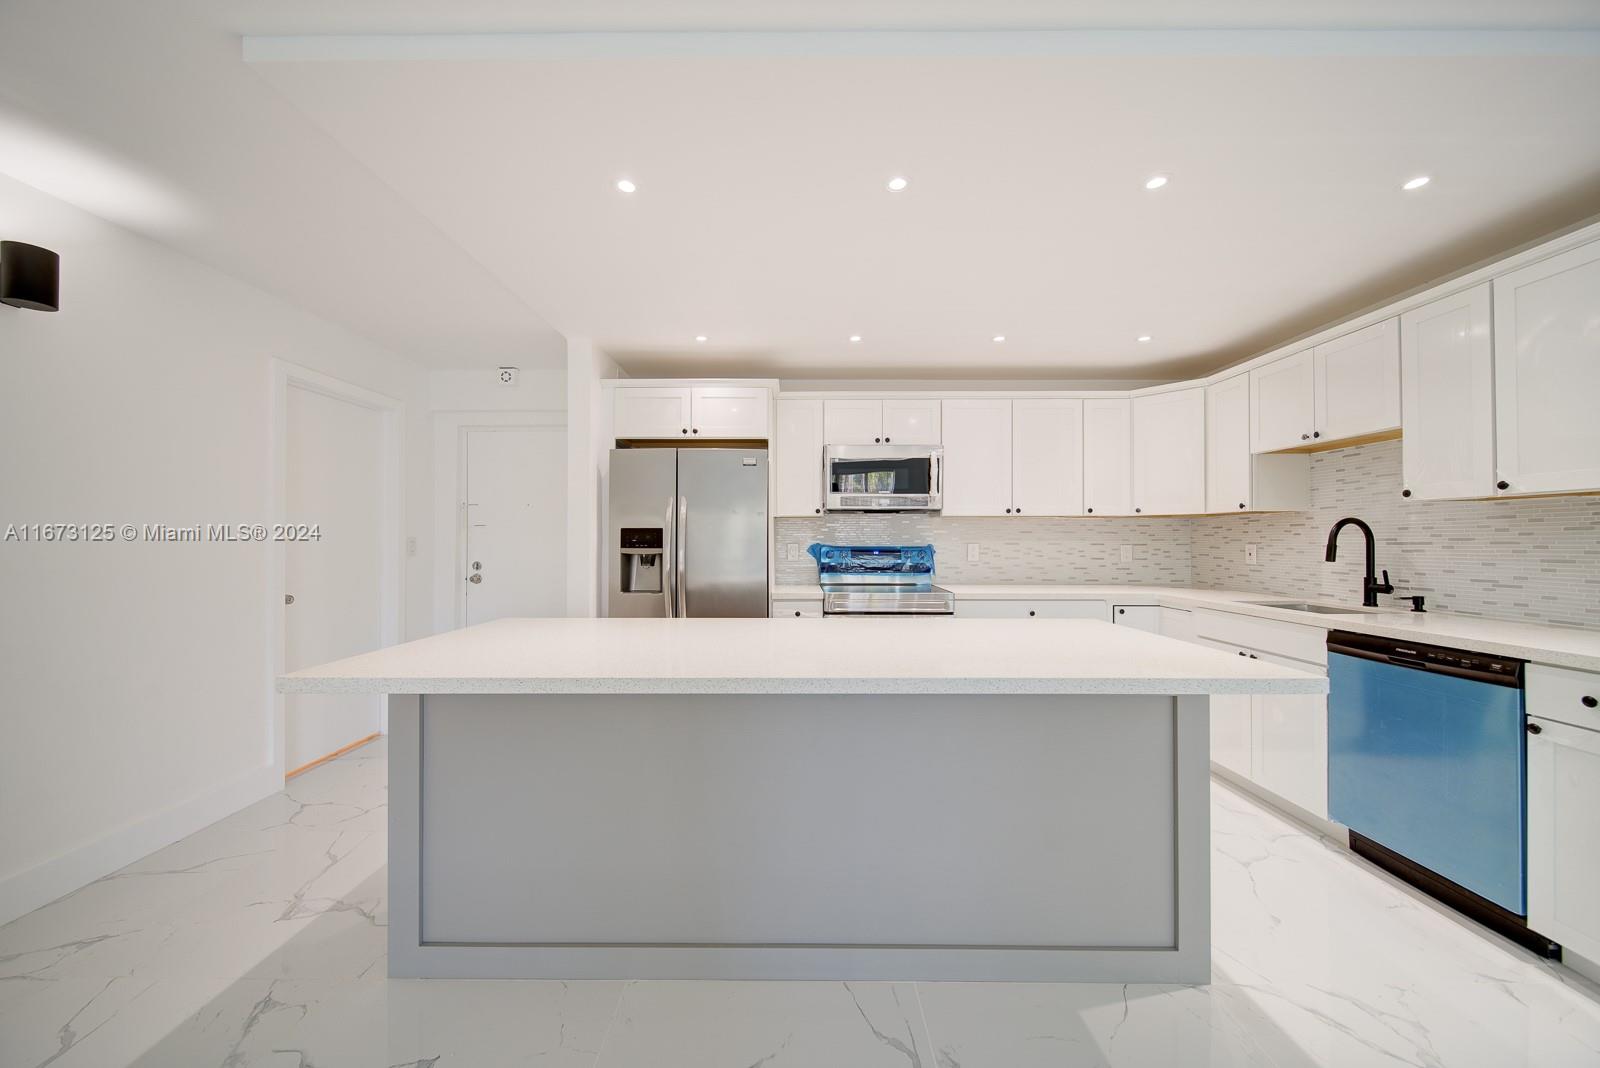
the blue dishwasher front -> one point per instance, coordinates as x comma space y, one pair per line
1426, 757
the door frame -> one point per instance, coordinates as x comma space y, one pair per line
391, 526
450, 505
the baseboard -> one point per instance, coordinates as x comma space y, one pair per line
43, 883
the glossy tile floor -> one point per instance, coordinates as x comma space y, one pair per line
260, 942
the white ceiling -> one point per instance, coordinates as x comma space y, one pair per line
462, 211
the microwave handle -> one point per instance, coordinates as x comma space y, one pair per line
935, 475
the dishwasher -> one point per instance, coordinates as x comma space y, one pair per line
1427, 759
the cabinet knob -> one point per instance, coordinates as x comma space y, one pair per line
1253, 656
1122, 611
1589, 702
1241, 504
797, 613
685, 430
1316, 433
1031, 612
697, 430
1502, 485
1089, 510
1534, 728
1138, 509
819, 511
877, 441
887, 440
1305, 437
1243, 653
1405, 493
1019, 511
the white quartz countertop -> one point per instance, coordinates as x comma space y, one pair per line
1571, 647
760, 656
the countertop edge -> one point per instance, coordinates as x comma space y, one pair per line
1308, 685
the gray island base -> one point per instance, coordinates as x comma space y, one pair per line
1036, 824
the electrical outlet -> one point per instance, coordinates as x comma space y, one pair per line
791, 551
972, 552
1127, 554
508, 376
1250, 554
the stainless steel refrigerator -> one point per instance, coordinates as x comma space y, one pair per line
687, 532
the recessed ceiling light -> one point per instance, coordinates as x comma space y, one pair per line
1143, 337
1155, 181
1417, 183
897, 183
999, 337
855, 337
701, 337
626, 185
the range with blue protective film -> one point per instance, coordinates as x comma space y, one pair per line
899, 563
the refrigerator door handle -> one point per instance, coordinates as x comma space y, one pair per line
668, 574
683, 557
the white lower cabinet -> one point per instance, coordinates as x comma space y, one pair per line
796, 609
1564, 808
1279, 743
1140, 616
1052, 609
1177, 623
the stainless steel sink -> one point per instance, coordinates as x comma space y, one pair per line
1303, 606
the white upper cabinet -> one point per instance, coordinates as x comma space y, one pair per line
1447, 398
910, 422
728, 411
1236, 479
1047, 457
651, 412
1169, 453
1228, 455
797, 456
1283, 411
1107, 457
1358, 383
852, 421
1547, 374
977, 457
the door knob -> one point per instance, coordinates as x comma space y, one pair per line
475, 578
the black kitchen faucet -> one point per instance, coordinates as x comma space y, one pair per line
1370, 586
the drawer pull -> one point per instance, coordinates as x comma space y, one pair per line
1590, 702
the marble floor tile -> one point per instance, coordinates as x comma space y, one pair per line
259, 941
773, 1024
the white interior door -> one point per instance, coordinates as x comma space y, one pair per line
334, 480
515, 526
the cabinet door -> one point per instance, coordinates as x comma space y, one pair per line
1564, 835
1282, 404
1289, 744
1177, 623
797, 456
910, 422
977, 457
1230, 725
1051, 609
1169, 453
1228, 456
1107, 457
1139, 616
1047, 457
651, 412
728, 412
796, 609
1447, 398
1547, 374
1358, 383
852, 422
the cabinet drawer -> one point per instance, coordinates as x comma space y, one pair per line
1564, 695
796, 609
1065, 609
1291, 640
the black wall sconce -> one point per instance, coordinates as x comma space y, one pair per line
30, 277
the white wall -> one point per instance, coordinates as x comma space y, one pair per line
587, 367
135, 694
474, 397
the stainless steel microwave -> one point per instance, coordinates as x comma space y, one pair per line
883, 478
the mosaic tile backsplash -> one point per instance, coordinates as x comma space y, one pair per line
1536, 561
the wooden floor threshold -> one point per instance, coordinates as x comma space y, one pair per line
341, 751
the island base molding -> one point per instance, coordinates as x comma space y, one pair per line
800, 836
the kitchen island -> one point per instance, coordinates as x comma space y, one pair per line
830, 799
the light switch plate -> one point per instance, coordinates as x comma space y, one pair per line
791, 551
1127, 554
1250, 554
972, 552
